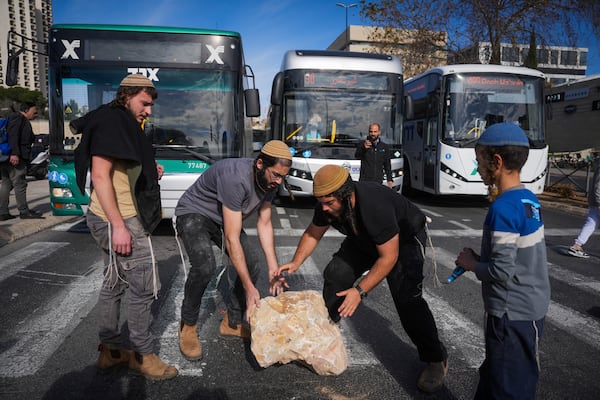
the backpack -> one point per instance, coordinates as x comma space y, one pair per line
5, 148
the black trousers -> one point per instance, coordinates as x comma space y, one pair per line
198, 234
405, 281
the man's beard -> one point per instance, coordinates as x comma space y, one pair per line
343, 213
346, 216
261, 182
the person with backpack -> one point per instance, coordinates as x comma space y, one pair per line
13, 170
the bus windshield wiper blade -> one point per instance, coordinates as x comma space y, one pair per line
189, 150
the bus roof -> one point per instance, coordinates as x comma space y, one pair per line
466, 68
145, 28
340, 60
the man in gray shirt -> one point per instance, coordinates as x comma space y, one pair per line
211, 211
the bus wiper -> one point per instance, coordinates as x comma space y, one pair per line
196, 154
466, 141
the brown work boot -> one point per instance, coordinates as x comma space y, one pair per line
109, 359
151, 367
189, 345
432, 377
240, 330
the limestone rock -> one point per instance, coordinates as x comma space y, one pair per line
295, 326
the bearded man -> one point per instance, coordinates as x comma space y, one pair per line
385, 238
212, 211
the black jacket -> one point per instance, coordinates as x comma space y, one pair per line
374, 161
112, 131
20, 135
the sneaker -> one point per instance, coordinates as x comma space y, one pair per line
6, 217
578, 252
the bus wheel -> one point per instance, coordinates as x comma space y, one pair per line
406, 186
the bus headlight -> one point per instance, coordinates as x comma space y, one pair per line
62, 192
298, 173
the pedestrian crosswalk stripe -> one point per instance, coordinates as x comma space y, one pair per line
451, 233
26, 256
466, 336
38, 337
573, 322
585, 283
41, 333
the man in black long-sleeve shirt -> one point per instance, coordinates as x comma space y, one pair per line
374, 157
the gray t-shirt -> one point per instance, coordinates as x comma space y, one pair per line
229, 182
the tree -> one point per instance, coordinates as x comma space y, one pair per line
466, 22
531, 59
11, 98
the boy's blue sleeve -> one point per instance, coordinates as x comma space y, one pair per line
499, 244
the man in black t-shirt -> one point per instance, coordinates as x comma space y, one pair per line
385, 238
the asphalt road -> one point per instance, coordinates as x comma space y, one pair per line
49, 280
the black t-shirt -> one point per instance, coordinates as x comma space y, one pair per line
380, 214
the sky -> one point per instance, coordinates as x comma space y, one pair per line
268, 27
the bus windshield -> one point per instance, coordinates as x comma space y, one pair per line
475, 101
322, 121
193, 112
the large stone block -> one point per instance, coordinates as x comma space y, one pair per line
295, 326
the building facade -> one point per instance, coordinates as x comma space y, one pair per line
369, 39
26, 23
560, 64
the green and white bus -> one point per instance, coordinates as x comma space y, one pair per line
202, 83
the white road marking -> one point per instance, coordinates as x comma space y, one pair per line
584, 328
457, 233
429, 212
280, 210
585, 283
28, 255
457, 331
66, 226
40, 335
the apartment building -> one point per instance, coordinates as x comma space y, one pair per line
29, 21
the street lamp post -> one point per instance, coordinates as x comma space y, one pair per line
346, 7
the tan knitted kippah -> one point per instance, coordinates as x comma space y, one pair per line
277, 149
136, 80
328, 179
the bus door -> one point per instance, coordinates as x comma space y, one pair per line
430, 150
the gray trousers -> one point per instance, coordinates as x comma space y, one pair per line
13, 177
135, 276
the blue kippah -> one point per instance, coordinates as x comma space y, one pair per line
504, 134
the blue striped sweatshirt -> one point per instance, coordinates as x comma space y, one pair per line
513, 268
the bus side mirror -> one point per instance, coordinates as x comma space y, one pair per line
252, 101
409, 111
277, 90
12, 71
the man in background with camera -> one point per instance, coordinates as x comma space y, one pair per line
374, 157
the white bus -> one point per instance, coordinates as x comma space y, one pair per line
322, 103
449, 107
